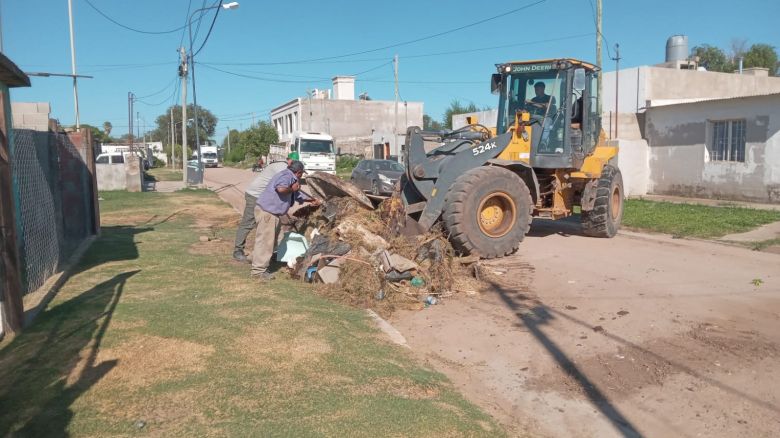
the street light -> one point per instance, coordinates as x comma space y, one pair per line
227, 6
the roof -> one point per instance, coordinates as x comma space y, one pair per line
10, 74
657, 103
312, 135
550, 60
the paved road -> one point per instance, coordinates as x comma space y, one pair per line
633, 336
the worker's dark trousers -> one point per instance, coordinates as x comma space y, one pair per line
247, 222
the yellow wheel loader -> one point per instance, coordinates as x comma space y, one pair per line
545, 156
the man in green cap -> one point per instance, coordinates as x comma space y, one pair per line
253, 190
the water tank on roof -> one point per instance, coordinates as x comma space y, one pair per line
677, 48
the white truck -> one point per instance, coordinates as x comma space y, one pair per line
210, 156
315, 150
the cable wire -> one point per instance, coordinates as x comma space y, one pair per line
405, 43
148, 32
158, 92
208, 34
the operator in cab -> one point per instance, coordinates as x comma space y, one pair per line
539, 103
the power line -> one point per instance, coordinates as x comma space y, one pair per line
208, 34
342, 61
258, 77
149, 32
405, 43
186, 22
595, 24
164, 88
525, 43
160, 102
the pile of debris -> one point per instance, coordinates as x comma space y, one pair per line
353, 249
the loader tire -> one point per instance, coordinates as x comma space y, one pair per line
604, 219
488, 212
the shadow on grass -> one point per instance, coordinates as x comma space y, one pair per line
46, 367
53, 362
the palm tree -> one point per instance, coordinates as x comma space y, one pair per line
107, 128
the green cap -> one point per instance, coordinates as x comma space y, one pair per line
293, 156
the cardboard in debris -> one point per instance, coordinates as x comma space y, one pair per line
395, 262
329, 273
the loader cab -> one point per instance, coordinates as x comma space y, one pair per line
560, 96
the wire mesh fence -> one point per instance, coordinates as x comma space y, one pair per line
53, 197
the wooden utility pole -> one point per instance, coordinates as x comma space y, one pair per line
228, 128
130, 97
183, 74
395, 119
171, 139
598, 55
11, 283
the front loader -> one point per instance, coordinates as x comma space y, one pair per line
546, 155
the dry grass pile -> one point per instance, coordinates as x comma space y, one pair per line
362, 281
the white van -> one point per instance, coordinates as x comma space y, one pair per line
315, 150
210, 156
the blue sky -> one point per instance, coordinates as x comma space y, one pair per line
35, 36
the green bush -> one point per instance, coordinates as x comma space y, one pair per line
346, 163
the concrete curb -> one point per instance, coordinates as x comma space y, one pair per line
395, 336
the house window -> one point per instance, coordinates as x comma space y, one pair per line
728, 141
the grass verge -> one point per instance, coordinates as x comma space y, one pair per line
163, 174
158, 333
689, 220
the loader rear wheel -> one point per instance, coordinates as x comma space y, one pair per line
488, 211
604, 219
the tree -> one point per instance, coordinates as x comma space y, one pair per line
206, 120
256, 140
97, 134
457, 108
429, 124
234, 135
713, 58
762, 55
107, 126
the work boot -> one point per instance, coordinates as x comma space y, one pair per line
263, 277
239, 256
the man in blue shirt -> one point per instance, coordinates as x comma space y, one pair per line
277, 198
251, 194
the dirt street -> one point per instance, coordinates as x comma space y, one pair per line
633, 336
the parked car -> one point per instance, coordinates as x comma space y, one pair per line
377, 176
110, 159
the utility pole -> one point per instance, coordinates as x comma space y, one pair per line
73, 64
137, 124
130, 97
598, 55
395, 119
253, 119
617, 75
171, 138
183, 75
228, 139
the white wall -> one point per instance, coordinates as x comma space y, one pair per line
679, 160
488, 118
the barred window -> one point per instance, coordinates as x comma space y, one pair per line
728, 140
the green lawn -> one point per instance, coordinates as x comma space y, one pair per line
164, 174
688, 220
157, 333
